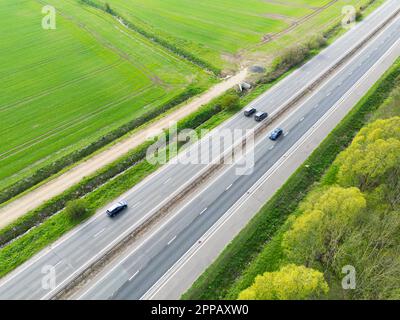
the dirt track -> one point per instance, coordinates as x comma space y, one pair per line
22, 205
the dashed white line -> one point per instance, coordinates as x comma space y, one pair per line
230, 186
302, 119
136, 204
172, 240
204, 210
99, 233
286, 133
134, 275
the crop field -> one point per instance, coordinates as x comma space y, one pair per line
220, 31
63, 88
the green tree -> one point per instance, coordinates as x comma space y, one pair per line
76, 209
374, 251
328, 216
373, 157
289, 283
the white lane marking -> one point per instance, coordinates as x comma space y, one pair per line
166, 181
286, 133
99, 233
172, 240
204, 210
136, 204
230, 186
302, 119
134, 275
271, 147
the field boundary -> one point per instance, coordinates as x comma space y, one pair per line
154, 38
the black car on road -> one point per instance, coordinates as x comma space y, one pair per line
117, 208
260, 116
249, 111
274, 135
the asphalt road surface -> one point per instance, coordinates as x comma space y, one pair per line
132, 278
136, 273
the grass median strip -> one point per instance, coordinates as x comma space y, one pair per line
241, 261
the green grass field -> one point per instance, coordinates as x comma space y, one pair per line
63, 88
225, 32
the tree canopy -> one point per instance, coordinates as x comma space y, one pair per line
373, 157
328, 215
291, 282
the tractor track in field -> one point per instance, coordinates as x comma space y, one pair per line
294, 25
41, 63
61, 86
72, 123
106, 44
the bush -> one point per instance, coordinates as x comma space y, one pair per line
230, 101
317, 42
76, 210
108, 8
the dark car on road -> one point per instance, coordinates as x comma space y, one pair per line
274, 135
260, 116
117, 208
250, 111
